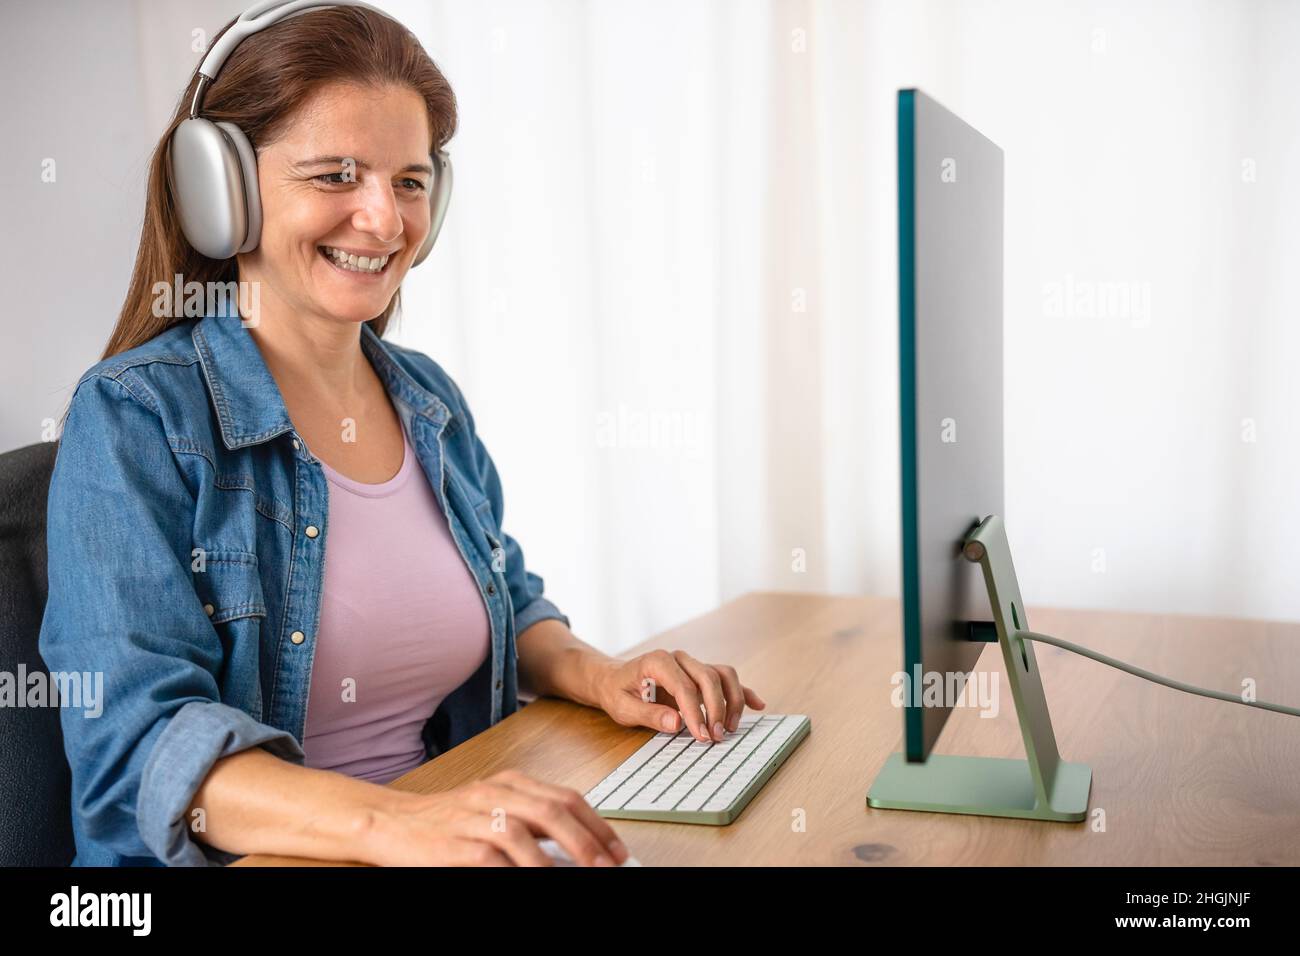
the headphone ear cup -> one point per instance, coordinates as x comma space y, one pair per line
251, 193
439, 198
207, 179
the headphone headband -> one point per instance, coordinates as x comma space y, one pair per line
253, 20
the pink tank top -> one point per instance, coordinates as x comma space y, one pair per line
403, 624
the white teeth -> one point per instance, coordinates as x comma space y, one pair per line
353, 263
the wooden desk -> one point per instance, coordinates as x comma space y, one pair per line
1183, 780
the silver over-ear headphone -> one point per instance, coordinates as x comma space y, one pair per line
213, 168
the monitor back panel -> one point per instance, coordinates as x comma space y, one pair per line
950, 344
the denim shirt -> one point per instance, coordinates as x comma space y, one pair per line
187, 527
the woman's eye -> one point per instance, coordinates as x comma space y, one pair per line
410, 185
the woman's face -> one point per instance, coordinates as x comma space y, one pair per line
352, 176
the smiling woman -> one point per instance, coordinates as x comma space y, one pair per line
206, 462
278, 536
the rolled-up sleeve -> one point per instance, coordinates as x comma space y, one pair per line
122, 605
526, 588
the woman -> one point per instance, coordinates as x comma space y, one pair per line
260, 687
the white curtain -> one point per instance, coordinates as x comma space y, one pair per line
668, 287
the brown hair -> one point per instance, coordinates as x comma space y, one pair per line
259, 89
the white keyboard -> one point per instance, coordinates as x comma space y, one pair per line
675, 778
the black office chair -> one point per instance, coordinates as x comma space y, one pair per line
35, 781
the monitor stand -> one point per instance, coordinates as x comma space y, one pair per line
1040, 787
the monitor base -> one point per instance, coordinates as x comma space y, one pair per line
984, 786
1040, 787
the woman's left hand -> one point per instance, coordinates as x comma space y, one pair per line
648, 691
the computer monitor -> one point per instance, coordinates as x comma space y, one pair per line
959, 589
957, 570
950, 398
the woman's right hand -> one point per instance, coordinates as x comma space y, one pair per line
495, 821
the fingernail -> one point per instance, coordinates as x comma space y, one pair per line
669, 722
733, 723
618, 849
717, 731
603, 860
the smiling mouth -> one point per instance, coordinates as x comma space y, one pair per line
357, 265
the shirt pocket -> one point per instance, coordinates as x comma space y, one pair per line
230, 589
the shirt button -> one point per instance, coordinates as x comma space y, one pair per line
296, 444
209, 610
498, 685
492, 588
297, 637
312, 531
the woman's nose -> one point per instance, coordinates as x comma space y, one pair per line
379, 214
